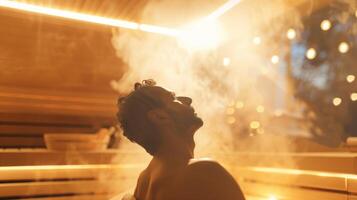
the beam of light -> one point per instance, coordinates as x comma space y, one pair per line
160, 30
223, 9
88, 18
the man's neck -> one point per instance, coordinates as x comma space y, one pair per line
175, 149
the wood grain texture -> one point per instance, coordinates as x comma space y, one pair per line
55, 75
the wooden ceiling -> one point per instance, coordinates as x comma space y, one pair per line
120, 9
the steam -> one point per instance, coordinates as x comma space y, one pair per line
202, 75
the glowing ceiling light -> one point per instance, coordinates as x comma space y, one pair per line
203, 34
354, 96
254, 124
230, 111
231, 120
223, 9
337, 101
239, 105
89, 18
291, 34
226, 61
275, 59
350, 78
311, 53
69, 14
343, 47
325, 25
260, 109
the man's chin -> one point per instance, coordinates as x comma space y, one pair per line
197, 123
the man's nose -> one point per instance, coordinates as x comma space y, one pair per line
185, 100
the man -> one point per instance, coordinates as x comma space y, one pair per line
164, 125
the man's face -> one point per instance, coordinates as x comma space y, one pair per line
179, 108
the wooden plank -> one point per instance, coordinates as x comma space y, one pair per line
45, 157
294, 178
17, 142
76, 197
35, 157
289, 193
59, 172
62, 188
352, 184
39, 129
63, 120
352, 197
336, 162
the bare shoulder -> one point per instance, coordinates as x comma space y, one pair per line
141, 185
207, 179
205, 164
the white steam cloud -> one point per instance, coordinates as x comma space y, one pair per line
213, 84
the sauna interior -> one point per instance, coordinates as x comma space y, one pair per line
274, 82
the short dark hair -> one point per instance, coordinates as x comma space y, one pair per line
132, 116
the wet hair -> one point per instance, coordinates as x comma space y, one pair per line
132, 116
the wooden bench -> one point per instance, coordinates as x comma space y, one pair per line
71, 182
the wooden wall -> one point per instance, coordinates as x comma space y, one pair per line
54, 77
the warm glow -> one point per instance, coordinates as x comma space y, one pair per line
223, 9
311, 53
343, 47
231, 120
350, 78
260, 131
291, 34
272, 198
257, 40
260, 109
275, 59
278, 113
159, 30
337, 101
69, 14
89, 18
254, 124
203, 34
354, 96
239, 105
302, 172
230, 111
325, 25
231, 103
226, 61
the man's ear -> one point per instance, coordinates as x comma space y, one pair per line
158, 116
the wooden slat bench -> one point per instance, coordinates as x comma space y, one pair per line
74, 182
